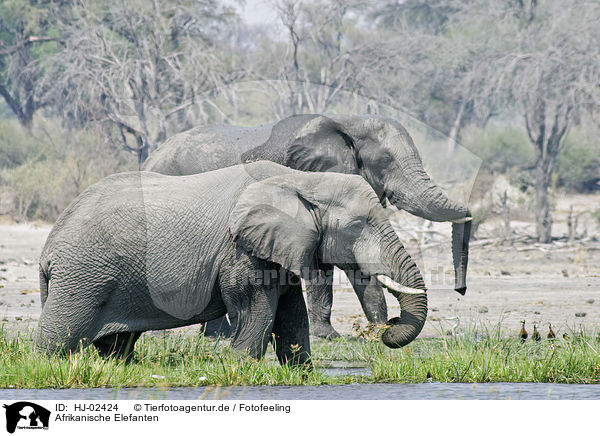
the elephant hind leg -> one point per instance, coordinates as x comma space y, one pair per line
119, 345
69, 319
290, 331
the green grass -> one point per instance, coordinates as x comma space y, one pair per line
170, 360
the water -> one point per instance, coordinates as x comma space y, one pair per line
422, 391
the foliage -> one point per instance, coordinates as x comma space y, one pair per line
500, 146
322, 44
48, 167
536, 59
578, 166
16, 144
137, 67
137, 72
27, 36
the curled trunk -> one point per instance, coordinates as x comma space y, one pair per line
405, 328
413, 302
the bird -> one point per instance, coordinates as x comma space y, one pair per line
565, 335
452, 331
536, 335
551, 334
523, 333
356, 330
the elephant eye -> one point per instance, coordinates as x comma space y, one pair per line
357, 224
385, 159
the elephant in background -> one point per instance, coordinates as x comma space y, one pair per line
144, 251
378, 149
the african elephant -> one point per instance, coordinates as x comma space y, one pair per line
144, 251
379, 149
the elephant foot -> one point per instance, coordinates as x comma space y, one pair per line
323, 330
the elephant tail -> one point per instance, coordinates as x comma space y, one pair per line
44, 281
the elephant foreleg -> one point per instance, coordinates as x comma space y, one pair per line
319, 294
290, 331
251, 307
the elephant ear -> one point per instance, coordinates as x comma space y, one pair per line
274, 222
323, 145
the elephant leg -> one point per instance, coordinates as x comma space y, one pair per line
290, 331
319, 294
66, 321
119, 345
251, 306
370, 294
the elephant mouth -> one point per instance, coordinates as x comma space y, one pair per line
393, 285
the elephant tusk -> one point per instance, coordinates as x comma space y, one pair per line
463, 220
395, 286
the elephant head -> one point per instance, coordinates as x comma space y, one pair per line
304, 220
383, 153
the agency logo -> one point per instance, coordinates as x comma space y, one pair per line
26, 415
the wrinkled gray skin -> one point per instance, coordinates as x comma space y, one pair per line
378, 149
144, 251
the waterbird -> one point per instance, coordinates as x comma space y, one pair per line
454, 327
536, 335
551, 334
523, 333
565, 335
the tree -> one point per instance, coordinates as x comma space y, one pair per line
26, 36
321, 45
137, 67
440, 61
474, 60
550, 72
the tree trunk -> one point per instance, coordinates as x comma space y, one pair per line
454, 131
543, 173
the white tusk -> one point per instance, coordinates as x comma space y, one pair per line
463, 220
395, 286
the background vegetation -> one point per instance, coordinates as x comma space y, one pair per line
91, 87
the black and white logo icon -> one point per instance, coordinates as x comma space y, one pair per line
26, 415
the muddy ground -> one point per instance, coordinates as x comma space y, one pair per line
508, 281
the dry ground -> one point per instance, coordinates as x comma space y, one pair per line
557, 283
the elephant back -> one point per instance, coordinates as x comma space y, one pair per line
203, 149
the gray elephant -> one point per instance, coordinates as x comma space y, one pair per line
144, 251
379, 149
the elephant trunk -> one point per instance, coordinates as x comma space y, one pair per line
406, 328
408, 287
461, 233
426, 199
